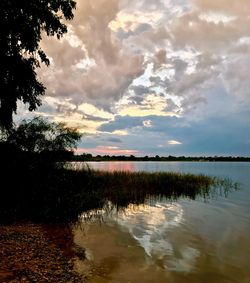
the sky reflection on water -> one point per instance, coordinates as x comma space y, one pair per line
182, 241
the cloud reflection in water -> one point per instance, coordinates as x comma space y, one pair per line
150, 226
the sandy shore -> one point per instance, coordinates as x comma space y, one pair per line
37, 253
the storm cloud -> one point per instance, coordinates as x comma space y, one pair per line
148, 72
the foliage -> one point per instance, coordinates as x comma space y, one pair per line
22, 24
62, 195
39, 135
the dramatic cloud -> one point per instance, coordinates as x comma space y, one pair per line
153, 73
89, 64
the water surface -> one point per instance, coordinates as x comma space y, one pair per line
183, 241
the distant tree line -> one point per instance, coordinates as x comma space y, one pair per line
90, 157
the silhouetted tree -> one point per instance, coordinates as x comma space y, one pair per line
39, 135
21, 25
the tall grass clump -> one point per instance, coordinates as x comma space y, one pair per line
54, 194
124, 188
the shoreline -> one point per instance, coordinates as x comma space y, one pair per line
37, 253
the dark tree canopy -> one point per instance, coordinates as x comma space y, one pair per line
39, 135
22, 23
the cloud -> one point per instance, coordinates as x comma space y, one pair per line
228, 7
132, 20
173, 142
161, 70
98, 66
147, 123
159, 58
217, 135
120, 132
114, 140
238, 85
120, 124
109, 68
110, 150
86, 117
146, 110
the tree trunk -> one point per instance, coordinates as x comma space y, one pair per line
6, 109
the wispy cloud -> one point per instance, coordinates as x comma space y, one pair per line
173, 142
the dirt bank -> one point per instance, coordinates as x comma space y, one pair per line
37, 253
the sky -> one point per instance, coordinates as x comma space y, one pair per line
152, 77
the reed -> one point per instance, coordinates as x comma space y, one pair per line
57, 194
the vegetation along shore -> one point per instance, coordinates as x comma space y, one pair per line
39, 188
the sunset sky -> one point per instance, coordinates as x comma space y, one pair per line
149, 77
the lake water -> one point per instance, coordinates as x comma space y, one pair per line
162, 241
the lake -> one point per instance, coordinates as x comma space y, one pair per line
162, 241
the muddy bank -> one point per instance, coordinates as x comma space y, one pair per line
37, 253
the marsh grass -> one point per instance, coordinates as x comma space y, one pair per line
124, 188
54, 194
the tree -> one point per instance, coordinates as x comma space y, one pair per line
22, 23
38, 135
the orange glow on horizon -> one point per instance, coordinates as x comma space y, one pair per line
107, 150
